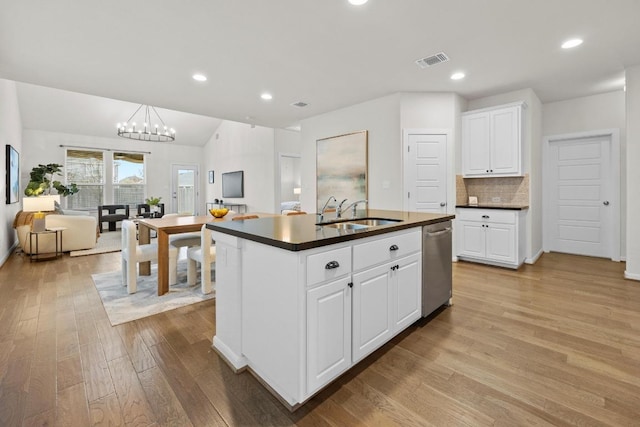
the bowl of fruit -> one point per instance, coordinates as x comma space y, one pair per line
219, 212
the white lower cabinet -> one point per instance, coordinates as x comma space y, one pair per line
328, 332
491, 236
386, 299
299, 319
365, 309
372, 319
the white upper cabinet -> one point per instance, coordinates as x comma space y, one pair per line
492, 142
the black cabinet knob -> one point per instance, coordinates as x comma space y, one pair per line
393, 248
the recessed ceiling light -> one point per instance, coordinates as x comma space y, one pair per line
266, 96
358, 2
199, 77
457, 76
571, 43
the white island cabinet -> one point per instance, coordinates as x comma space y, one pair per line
299, 319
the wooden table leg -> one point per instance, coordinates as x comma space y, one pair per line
163, 262
144, 268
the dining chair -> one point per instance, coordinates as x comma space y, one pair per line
205, 254
133, 253
242, 217
182, 239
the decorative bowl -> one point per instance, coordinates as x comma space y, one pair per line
218, 213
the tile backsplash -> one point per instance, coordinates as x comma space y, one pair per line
510, 191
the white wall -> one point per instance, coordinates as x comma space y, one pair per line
381, 117
10, 133
603, 111
633, 171
239, 146
44, 147
531, 154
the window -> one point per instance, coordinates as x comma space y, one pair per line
105, 178
128, 178
86, 169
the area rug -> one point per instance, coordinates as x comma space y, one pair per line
122, 307
110, 241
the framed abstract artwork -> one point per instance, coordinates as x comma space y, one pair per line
341, 168
13, 174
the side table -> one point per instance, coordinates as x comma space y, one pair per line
36, 255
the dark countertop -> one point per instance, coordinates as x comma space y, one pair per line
495, 206
300, 232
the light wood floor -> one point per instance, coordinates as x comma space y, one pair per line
557, 343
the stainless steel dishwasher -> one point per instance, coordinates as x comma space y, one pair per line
436, 266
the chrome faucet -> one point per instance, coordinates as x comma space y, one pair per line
339, 209
325, 207
355, 206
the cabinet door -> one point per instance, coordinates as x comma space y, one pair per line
372, 321
471, 239
501, 242
476, 144
407, 286
328, 332
505, 141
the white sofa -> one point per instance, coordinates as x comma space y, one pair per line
80, 233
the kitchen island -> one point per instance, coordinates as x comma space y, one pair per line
299, 303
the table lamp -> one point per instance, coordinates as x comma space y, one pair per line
38, 205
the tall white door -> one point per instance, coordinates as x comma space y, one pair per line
580, 196
426, 173
184, 189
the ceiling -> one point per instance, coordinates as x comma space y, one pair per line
326, 53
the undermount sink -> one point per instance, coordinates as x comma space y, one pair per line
373, 222
359, 224
347, 225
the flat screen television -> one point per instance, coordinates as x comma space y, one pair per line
233, 184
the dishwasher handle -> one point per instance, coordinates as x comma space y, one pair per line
438, 233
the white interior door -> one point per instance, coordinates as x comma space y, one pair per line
426, 172
184, 189
580, 196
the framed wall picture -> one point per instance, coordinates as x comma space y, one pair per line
341, 168
13, 174
210, 177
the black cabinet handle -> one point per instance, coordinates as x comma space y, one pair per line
331, 265
350, 284
485, 216
393, 248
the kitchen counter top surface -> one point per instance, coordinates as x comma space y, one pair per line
301, 232
495, 206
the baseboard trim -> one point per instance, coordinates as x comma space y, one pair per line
631, 276
237, 363
9, 253
535, 258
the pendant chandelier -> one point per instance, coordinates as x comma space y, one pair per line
157, 133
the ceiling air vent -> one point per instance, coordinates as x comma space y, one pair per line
432, 60
300, 104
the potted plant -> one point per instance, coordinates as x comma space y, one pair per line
153, 202
41, 181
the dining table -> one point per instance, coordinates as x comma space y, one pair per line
165, 227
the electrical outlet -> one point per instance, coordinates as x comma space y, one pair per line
495, 199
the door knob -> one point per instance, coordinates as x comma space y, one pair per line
606, 203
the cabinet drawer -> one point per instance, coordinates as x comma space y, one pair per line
488, 215
328, 265
382, 250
